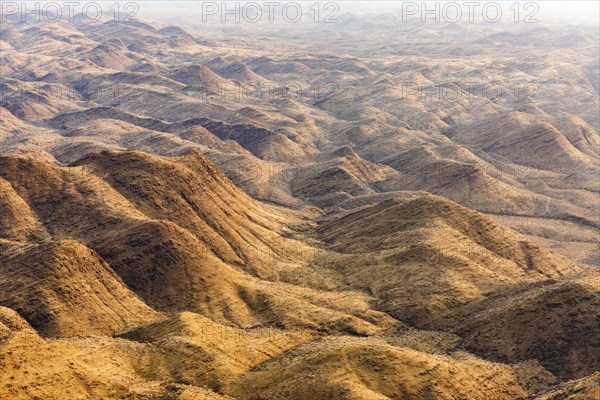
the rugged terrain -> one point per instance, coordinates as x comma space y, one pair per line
177, 281
213, 213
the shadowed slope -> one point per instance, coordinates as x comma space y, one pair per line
369, 369
65, 289
396, 249
183, 237
555, 323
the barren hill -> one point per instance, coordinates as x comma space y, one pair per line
138, 215
396, 248
369, 209
561, 316
175, 234
580, 389
524, 136
65, 289
354, 368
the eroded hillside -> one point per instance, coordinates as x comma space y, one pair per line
154, 261
326, 212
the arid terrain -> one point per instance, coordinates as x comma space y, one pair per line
362, 210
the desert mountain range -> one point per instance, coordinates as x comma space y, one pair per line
191, 214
